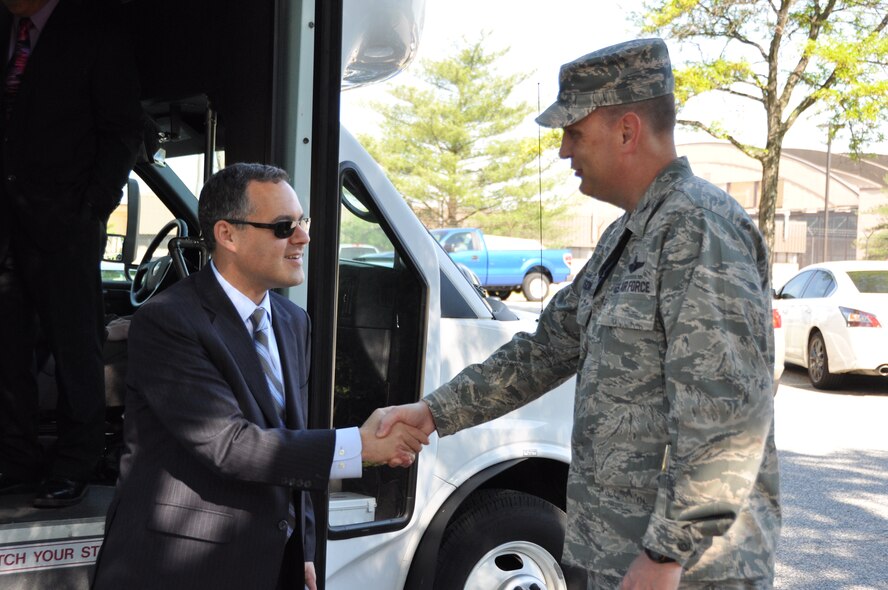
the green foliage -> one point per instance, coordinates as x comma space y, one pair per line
355, 231
451, 146
790, 57
876, 243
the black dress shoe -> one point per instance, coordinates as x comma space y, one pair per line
12, 485
55, 492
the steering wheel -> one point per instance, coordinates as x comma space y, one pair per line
151, 274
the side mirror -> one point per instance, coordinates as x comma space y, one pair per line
113, 248
121, 248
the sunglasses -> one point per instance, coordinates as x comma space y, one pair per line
281, 229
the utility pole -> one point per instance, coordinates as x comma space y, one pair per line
829, 136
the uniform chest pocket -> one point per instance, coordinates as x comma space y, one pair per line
629, 311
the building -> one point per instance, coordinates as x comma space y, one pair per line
856, 189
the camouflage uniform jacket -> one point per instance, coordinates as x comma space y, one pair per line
672, 445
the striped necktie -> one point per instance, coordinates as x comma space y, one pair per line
16, 66
260, 340
260, 323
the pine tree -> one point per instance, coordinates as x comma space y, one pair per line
452, 147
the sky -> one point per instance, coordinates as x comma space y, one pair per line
542, 35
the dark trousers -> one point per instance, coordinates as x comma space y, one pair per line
292, 575
53, 289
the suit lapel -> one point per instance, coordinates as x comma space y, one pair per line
285, 333
234, 334
5, 32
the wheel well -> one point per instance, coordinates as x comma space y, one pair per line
545, 478
814, 330
540, 269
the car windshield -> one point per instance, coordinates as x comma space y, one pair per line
870, 281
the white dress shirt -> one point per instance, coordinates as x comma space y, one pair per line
347, 455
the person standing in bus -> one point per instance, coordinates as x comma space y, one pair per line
673, 481
218, 460
71, 126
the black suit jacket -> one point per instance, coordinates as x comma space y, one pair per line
208, 470
76, 127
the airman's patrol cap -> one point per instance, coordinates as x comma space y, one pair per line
620, 74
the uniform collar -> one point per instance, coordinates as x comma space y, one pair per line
677, 170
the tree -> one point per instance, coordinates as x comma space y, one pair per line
790, 56
451, 146
876, 237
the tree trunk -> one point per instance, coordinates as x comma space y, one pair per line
768, 206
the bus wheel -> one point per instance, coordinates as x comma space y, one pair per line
503, 539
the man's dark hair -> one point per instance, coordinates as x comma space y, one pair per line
658, 112
224, 196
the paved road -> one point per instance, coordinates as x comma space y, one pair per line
834, 468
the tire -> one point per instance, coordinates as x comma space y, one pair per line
501, 294
502, 539
535, 286
818, 364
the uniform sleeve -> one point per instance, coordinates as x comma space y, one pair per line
519, 372
715, 309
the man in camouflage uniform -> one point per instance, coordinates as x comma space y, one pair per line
673, 480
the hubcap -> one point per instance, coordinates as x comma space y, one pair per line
816, 359
515, 565
537, 288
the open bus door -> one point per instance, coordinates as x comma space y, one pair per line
256, 81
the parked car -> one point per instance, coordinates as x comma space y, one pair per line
779, 346
354, 251
834, 317
505, 264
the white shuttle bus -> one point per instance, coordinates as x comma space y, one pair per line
261, 81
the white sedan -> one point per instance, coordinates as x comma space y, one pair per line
835, 320
779, 346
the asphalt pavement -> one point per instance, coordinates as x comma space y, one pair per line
833, 449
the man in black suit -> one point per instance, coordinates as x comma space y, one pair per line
71, 127
216, 467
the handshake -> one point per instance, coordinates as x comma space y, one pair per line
394, 435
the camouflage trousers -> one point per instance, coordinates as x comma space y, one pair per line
603, 582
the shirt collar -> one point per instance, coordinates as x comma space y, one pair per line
243, 304
677, 170
39, 18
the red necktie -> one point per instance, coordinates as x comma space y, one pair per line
17, 64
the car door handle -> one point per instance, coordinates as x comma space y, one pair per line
474, 257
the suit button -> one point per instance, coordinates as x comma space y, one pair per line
11, 178
684, 546
282, 525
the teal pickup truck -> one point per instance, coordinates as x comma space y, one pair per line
506, 264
